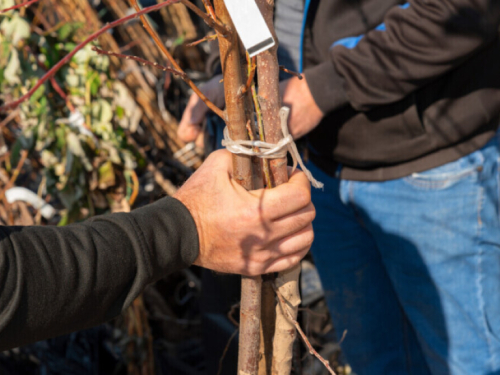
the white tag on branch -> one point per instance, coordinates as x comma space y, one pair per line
250, 25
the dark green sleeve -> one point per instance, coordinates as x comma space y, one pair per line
57, 280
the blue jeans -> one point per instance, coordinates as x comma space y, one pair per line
411, 267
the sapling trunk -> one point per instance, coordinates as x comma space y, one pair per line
270, 105
287, 284
238, 114
236, 121
269, 96
268, 317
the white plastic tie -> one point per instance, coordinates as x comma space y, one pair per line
77, 121
22, 194
271, 150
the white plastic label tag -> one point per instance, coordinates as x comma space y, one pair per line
250, 25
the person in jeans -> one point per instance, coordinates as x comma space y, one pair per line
400, 107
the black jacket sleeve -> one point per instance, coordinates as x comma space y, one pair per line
416, 45
57, 280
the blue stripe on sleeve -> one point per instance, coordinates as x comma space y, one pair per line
352, 41
304, 20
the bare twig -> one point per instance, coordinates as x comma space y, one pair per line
155, 36
287, 313
252, 66
172, 61
53, 82
15, 174
344, 334
226, 350
265, 162
50, 30
135, 188
68, 57
128, 46
282, 68
250, 134
205, 39
142, 61
25, 4
231, 313
62, 94
41, 188
210, 9
9, 118
309, 311
213, 23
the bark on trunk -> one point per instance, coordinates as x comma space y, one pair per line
236, 120
288, 285
269, 95
287, 282
268, 317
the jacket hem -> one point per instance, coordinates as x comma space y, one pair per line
405, 169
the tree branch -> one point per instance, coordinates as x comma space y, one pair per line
208, 19
25, 4
252, 66
179, 73
258, 112
172, 61
205, 39
226, 349
9, 118
289, 316
283, 69
210, 9
53, 82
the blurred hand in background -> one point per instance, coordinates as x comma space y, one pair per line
190, 126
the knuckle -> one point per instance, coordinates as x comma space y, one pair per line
213, 156
313, 211
269, 257
303, 196
309, 237
263, 257
290, 262
308, 217
253, 270
218, 153
295, 260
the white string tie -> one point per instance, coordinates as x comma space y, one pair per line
271, 150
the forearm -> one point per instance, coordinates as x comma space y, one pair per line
415, 45
57, 280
